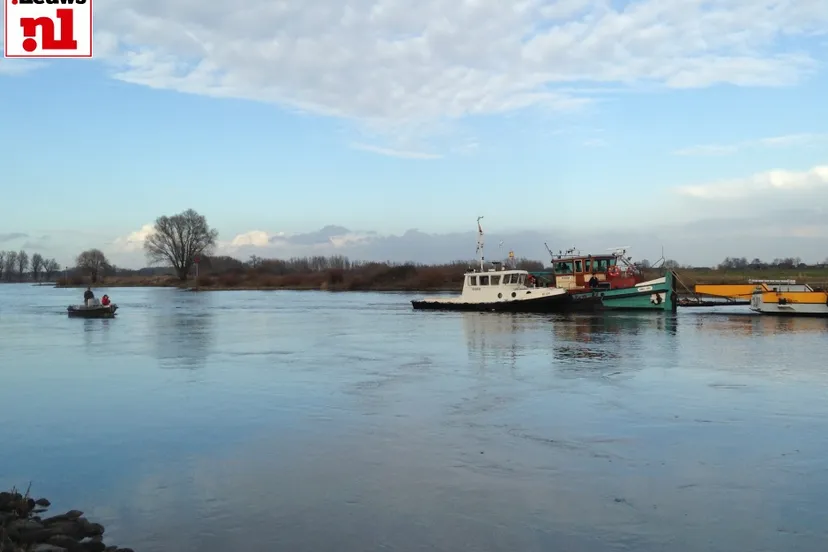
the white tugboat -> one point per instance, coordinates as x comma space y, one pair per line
498, 289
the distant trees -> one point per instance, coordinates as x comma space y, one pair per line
179, 239
741, 263
16, 266
92, 263
50, 267
37, 266
10, 266
22, 264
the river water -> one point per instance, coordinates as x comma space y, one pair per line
313, 421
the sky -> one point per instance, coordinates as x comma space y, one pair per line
382, 129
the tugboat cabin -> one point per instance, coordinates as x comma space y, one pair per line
573, 271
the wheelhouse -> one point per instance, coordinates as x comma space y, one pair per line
573, 271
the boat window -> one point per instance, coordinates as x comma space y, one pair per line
484, 280
563, 268
521, 279
613, 261
601, 265
578, 267
472, 280
496, 280
588, 266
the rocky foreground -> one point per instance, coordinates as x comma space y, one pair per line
23, 530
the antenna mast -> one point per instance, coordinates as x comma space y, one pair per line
480, 242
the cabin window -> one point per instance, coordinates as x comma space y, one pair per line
563, 268
588, 266
601, 265
521, 279
496, 280
578, 267
472, 280
484, 280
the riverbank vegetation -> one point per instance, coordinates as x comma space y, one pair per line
180, 253
342, 274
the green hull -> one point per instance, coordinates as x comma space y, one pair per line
659, 296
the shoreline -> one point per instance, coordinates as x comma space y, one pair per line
22, 528
332, 289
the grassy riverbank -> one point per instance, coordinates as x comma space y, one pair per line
380, 277
374, 277
815, 276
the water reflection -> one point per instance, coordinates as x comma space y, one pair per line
184, 331
755, 324
96, 334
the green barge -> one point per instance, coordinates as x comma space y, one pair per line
608, 282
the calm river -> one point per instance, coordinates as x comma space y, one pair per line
312, 421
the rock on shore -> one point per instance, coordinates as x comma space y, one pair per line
22, 529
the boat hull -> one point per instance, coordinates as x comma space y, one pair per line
547, 304
101, 311
791, 303
654, 295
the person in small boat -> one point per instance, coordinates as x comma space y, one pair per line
105, 300
87, 295
593, 282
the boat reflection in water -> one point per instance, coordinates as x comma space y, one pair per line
747, 323
612, 344
594, 340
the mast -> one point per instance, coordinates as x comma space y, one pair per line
480, 242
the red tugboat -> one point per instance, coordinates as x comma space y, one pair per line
607, 282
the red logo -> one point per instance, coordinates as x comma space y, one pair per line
48, 29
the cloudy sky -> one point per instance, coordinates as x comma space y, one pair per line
320, 126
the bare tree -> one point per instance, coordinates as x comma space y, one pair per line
2, 263
10, 265
22, 264
92, 262
50, 267
179, 239
37, 266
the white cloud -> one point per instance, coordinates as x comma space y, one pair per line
761, 184
13, 67
788, 140
407, 63
405, 154
256, 238
135, 240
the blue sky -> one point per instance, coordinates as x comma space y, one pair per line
572, 117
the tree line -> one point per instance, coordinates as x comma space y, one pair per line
17, 266
178, 241
741, 263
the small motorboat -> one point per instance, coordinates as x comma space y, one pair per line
94, 309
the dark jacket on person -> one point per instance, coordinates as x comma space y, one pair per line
87, 295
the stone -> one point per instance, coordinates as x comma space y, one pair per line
90, 529
48, 548
66, 542
93, 546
